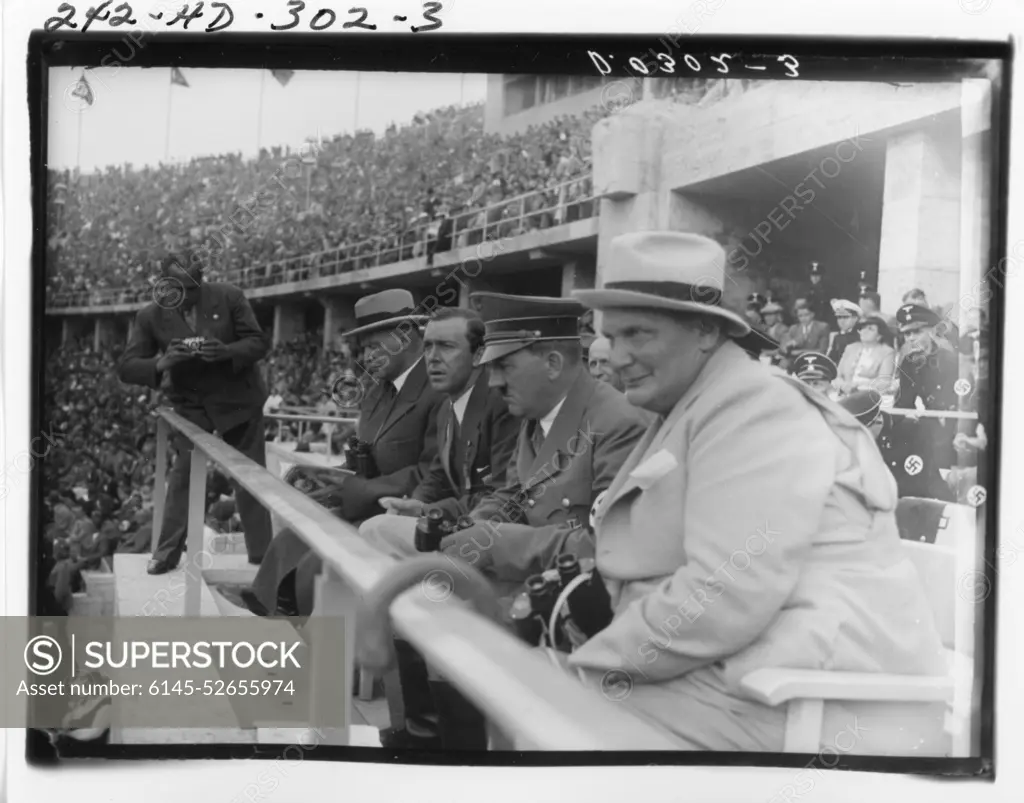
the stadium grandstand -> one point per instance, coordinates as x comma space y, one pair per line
519, 194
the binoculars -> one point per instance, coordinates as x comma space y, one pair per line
433, 527
359, 458
589, 605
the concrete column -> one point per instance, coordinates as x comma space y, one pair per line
975, 211
339, 315
65, 330
104, 333
289, 322
920, 242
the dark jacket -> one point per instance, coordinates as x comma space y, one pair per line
489, 433
226, 393
403, 437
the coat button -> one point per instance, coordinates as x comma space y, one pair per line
530, 502
566, 502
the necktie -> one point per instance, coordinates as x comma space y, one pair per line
537, 438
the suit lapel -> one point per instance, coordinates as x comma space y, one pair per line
719, 366
406, 399
472, 421
565, 427
447, 420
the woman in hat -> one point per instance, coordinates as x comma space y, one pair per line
871, 363
928, 370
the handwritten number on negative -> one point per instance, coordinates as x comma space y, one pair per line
361, 22
124, 19
94, 14
791, 65
296, 8
429, 10
56, 23
723, 68
316, 25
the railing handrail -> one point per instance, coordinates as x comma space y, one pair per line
515, 687
313, 419
351, 250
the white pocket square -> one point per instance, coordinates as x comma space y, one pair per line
653, 469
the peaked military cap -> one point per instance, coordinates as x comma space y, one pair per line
756, 300
816, 269
865, 405
813, 365
914, 316
512, 323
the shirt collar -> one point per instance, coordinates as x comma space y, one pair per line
460, 404
400, 380
549, 419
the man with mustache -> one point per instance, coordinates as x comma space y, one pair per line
477, 436
574, 435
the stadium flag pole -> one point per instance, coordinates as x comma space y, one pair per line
259, 114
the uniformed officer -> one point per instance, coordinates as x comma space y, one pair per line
818, 298
928, 370
848, 315
905, 447
576, 433
815, 369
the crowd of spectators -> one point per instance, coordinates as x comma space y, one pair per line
341, 204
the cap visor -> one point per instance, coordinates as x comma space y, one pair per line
496, 351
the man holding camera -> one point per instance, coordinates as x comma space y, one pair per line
211, 345
477, 438
395, 444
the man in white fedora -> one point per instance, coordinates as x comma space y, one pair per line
753, 526
397, 422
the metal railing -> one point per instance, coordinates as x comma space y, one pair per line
562, 203
306, 417
516, 688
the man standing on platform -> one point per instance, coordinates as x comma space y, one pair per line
210, 343
398, 440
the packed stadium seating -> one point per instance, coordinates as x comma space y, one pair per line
364, 194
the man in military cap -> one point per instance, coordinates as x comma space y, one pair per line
818, 297
815, 370
905, 449
928, 369
397, 424
575, 434
847, 315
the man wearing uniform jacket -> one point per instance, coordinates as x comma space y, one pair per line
575, 434
215, 384
397, 418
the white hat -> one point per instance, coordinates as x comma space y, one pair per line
384, 310
665, 270
849, 306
